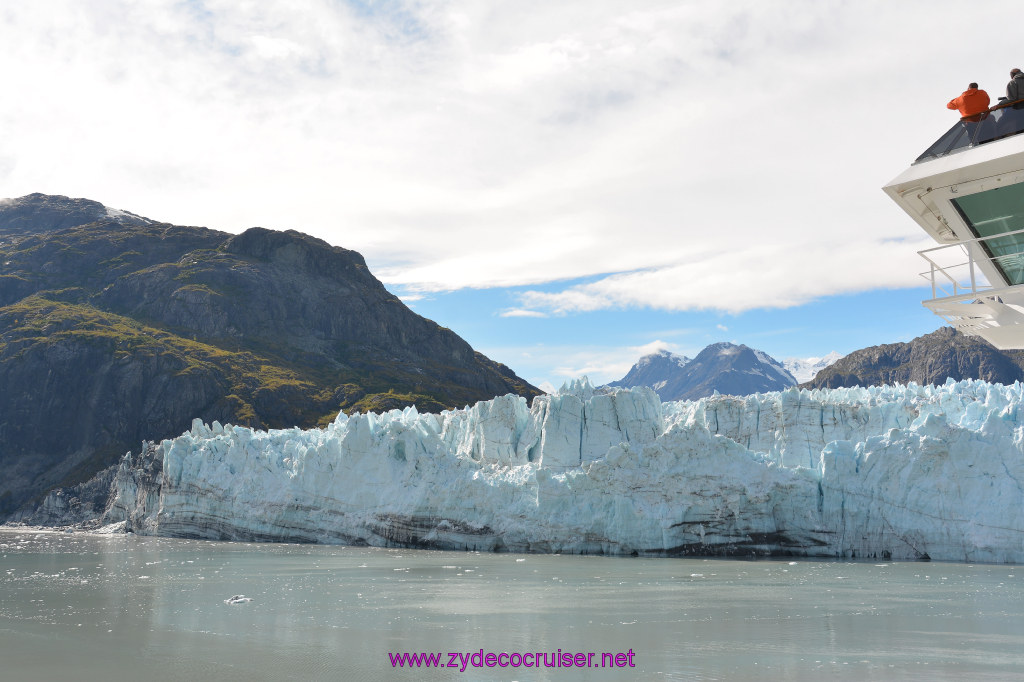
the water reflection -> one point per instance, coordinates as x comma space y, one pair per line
100, 607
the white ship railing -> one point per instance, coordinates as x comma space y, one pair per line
963, 296
964, 276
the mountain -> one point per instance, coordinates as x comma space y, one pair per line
115, 328
656, 370
805, 369
929, 359
723, 367
739, 370
44, 213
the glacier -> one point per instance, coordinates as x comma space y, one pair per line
893, 472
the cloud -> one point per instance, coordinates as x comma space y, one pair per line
736, 281
551, 364
687, 156
520, 312
653, 347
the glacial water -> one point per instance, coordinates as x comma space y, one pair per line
87, 607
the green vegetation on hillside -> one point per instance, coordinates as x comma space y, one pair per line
118, 329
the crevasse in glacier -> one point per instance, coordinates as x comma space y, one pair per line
897, 472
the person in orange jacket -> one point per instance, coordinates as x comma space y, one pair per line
971, 103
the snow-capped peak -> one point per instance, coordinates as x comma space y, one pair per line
679, 360
805, 369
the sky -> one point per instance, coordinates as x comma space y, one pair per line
567, 185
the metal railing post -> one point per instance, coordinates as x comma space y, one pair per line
970, 264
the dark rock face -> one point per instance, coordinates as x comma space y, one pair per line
79, 506
116, 328
302, 296
723, 367
929, 359
80, 392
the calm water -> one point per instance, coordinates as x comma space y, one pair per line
110, 608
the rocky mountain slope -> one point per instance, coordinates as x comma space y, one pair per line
929, 359
656, 370
116, 328
723, 367
739, 370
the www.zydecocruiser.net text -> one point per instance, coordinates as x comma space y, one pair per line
530, 659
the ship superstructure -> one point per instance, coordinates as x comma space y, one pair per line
967, 192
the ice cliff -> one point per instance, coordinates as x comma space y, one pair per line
902, 472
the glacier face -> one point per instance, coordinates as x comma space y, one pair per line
902, 472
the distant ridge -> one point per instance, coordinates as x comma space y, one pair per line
36, 213
929, 359
739, 370
655, 370
723, 367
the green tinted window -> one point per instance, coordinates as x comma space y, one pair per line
994, 212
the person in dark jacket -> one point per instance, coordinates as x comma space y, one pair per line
1015, 88
971, 103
